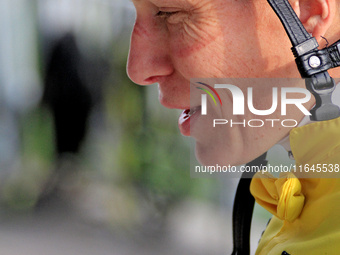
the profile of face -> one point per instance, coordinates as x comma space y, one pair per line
176, 40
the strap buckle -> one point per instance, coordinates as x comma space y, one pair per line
310, 60
321, 85
313, 65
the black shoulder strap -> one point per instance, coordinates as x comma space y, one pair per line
243, 209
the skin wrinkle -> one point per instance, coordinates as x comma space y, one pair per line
198, 38
215, 38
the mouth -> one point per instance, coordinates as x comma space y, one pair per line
186, 119
190, 112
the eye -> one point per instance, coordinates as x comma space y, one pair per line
165, 15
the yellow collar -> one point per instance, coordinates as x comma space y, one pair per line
316, 143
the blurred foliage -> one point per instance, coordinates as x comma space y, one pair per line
31, 170
151, 153
38, 136
137, 153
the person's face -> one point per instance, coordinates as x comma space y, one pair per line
175, 40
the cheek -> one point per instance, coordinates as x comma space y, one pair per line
210, 52
198, 58
190, 38
185, 48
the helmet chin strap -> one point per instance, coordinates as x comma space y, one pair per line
312, 64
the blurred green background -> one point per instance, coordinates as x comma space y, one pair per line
112, 177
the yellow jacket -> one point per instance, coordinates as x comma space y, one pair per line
306, 210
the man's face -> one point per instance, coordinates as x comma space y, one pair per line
175, 40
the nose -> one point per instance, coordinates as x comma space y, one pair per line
149, 57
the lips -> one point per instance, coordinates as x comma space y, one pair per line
186, 119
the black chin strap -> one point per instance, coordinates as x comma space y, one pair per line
312, 64
243, 209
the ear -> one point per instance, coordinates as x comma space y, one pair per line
316, 15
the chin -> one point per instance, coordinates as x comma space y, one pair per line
211, 156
